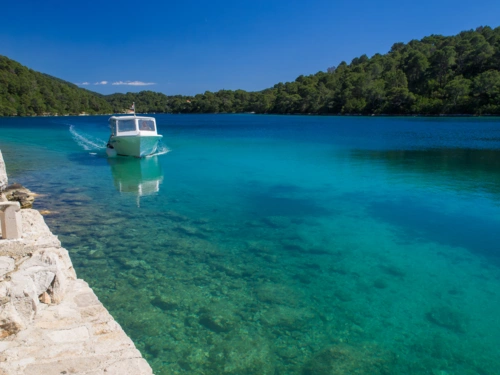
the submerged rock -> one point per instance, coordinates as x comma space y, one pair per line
217, 322
380, 283
174, 216
165, 303
242, 355
446, 317
287, 318
190, 231
277, 294
276, 221
219, 316
228, 269
345, 359
96, 254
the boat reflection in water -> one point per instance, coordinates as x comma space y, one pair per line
139, 177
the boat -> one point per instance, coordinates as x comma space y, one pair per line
133, 136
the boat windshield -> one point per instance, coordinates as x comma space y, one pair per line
126, 126
148, 125
112, 125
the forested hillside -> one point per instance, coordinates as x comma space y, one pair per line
24, 92
436, 75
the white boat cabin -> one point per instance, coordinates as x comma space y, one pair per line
132, 126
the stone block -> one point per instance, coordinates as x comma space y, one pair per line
69, 335
11, 221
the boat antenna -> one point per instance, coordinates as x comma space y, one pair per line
133, 107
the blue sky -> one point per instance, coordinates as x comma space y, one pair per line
189, 47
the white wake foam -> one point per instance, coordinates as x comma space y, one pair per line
86, 141
160, 151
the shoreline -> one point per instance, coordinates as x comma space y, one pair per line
272, 114
51, 322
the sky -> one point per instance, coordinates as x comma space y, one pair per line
189, 47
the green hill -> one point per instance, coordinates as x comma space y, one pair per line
436, 75
24, 92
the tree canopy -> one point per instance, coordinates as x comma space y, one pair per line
436, 75
24, 92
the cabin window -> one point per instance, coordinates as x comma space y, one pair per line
126, 126
148, 125
112, 125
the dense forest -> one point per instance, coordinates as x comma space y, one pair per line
436, 75
24, 92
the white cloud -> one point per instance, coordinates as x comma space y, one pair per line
133, 83
85, 83
101, 83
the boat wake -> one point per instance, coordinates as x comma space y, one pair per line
86, 141
161, 150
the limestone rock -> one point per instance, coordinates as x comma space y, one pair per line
10, 322
78, 336
3, 173
6, 266
23, 296
45, 298
30, 267
49, 271
18, 193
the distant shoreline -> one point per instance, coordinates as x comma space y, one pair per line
270, 114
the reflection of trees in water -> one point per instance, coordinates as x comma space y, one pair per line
471, 169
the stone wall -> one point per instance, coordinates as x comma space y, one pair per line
33, 270
50, 321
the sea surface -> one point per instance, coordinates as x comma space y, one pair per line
283, 244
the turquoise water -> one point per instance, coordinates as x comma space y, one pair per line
283, 244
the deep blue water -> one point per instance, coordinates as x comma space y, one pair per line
283, 244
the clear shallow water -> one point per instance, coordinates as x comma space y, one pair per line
283, 244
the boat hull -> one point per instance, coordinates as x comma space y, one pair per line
138, 146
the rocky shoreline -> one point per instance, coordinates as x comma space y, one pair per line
51, 322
